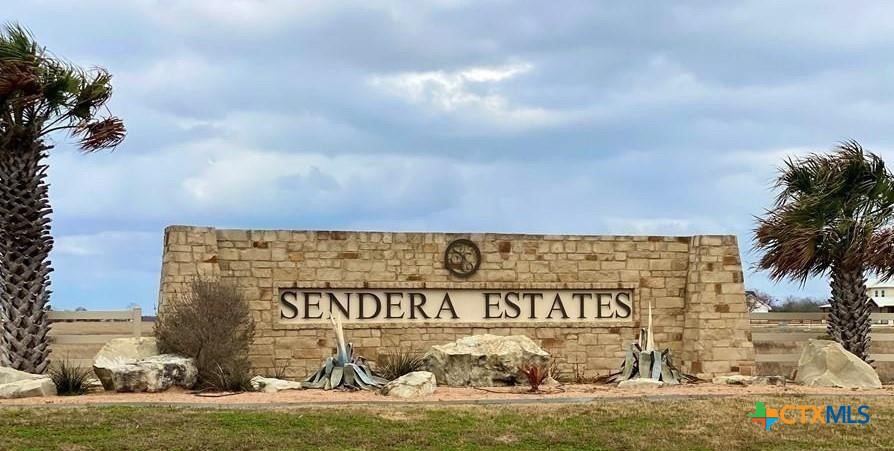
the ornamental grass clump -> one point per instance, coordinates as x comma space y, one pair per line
70, 378
395, 364
212, 324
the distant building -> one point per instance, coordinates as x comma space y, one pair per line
881, 294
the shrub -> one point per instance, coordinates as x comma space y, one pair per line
69, 378
579, 375
235, 378
796, 304
211, 323
536, 374
555, 358
395, 364
279, 371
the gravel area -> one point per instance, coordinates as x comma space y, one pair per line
448, 394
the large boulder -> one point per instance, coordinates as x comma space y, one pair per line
28, 388
152, 374
484, 360
272, 384
411, 385
121, 351
8, 375
827, 364
19, 384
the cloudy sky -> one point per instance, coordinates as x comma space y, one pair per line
544, 117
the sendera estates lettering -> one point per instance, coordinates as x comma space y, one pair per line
306, 305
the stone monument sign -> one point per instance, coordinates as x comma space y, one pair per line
581, 297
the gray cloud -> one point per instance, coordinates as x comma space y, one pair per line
575, 117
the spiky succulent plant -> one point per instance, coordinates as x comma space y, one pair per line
344, 370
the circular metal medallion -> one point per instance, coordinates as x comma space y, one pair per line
462, 257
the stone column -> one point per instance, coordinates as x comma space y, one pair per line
189, 252
716, 329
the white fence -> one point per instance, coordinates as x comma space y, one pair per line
777, 331
78, 336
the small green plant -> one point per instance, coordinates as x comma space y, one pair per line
395, 364
536, 374
70, 379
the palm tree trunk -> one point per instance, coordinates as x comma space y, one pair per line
849, 318
25, 245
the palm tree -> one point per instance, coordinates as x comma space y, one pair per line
833, 215
39, 95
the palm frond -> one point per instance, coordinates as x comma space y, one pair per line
17, 44
828, 210
880, 257
41, 94
101, 134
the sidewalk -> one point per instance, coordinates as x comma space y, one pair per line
443, 396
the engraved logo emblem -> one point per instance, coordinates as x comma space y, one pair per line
462, 257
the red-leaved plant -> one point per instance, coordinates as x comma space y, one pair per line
536, 375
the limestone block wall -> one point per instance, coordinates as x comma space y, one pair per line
694, 285
716, 328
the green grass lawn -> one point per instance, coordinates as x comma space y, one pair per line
627, 425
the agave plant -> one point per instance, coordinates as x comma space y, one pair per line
39, 95
344, 370
643, 360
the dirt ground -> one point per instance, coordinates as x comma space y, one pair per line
582, 393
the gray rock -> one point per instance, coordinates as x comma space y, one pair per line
640, 382
483, 360
19, 384
94, 384
738, 379
121, 351
153, 374
8, 375
273, 385
28, 388
826, 363
411, 385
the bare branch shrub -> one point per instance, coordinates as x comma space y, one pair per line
211, 323
555, 371
579, 375
279, 371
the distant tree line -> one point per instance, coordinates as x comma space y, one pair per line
789, 304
